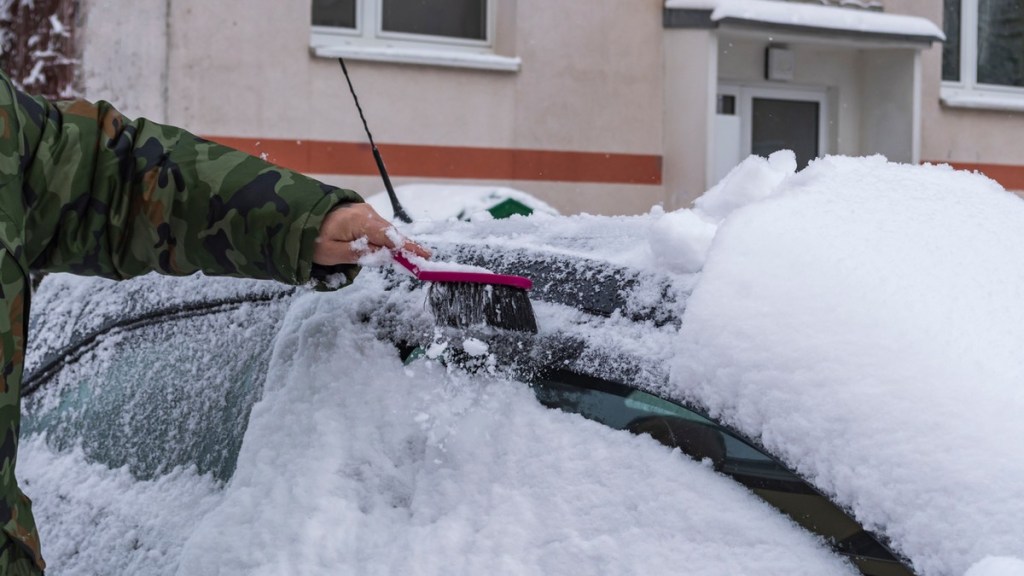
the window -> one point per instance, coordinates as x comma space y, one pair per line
778, 123
461, 19
161, 392
619, 406
335, 13
453, 32
983, 57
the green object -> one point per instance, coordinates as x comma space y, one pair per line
85, 190
509, 207
415, 355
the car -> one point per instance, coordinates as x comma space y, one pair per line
160, 374
214, 425
442, 202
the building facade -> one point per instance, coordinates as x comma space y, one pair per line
601, 106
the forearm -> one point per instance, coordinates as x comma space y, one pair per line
120, 198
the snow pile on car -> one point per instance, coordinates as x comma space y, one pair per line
356, 464
94, 520
865, 321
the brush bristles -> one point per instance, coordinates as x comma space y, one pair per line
463, 304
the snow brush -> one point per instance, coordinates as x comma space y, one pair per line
459, 296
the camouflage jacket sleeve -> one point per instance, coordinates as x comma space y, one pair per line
115, 197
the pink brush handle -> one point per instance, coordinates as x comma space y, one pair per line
471, 277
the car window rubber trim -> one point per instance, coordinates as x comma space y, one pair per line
623, 390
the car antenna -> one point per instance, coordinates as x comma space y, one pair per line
396, 206
459, 299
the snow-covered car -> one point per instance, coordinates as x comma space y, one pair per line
819, 369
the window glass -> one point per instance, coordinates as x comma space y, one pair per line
175, 392
335, 13
642, 413
951, 47
621, 407
785, 124
726, 105
453, 18
1001, 42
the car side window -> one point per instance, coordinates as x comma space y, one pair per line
175, 391
624, 408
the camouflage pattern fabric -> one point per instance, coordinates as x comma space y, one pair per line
85, 190
14, 561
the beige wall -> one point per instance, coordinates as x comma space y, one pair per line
690, 71
598, 76
116, 65
889, 125
590, 81
243, 68
566, 197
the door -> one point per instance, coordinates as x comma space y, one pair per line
763, 120
779, 123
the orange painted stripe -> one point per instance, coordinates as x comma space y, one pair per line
1009, 176
325, 157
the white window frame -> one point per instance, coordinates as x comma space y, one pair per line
968, 92
369, 41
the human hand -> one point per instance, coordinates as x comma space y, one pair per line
355, 230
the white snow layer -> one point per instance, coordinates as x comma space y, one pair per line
866, 323
863, 319
814, 16
354, 464
94, 520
